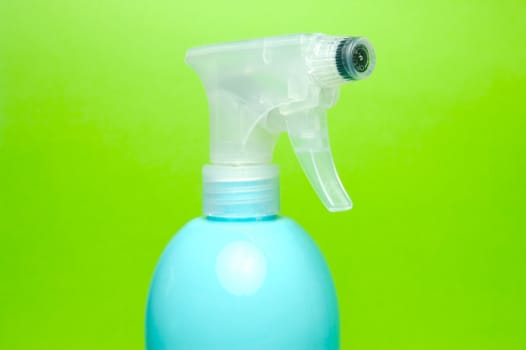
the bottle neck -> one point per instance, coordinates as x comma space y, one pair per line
240, 192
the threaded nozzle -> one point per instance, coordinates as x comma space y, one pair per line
355, 58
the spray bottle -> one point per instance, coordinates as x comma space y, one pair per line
241, 276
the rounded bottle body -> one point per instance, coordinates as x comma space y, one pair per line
242, 285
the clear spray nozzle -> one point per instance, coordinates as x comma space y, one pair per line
355, 58
260, 88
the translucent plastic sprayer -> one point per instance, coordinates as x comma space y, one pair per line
258, 89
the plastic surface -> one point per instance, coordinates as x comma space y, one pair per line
260, 88
234, 285
240, 191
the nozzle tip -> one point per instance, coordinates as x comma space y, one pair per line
355, 58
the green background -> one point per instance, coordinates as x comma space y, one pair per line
103, 132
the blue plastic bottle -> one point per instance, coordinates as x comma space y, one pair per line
242, 277
242, 284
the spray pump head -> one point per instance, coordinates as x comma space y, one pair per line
258, 89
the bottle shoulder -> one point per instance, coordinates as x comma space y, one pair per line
282, 233
280, 223
238, 254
